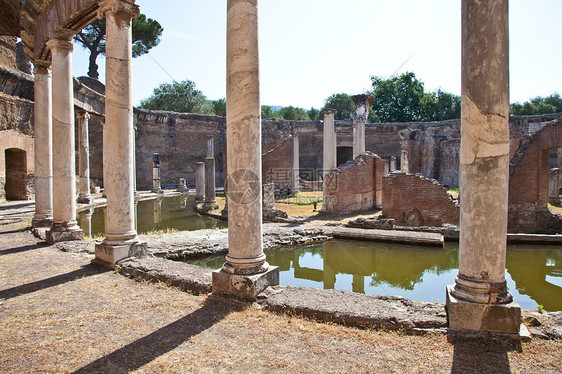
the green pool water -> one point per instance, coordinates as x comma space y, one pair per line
170, 212
534, 273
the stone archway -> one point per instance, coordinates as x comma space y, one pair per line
16, 174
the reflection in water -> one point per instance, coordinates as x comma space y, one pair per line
416, 273
174, 212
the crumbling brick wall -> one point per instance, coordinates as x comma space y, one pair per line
528, 182
355, 186
413, 200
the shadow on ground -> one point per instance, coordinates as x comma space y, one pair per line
482, 355
84, 271
164, 340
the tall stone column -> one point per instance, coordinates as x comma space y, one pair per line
156, 186
210, 188
245, 272
64, 172
43, 143
210, 146
84, 195
121, 239
296, 165
553, 186
199, 182
360, 116
330, 141
392, 164
479, 299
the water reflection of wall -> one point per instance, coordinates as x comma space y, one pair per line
400, 266
529, 267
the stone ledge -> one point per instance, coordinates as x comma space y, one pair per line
187, 277
358, 310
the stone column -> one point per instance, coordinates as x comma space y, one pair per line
360, 116
156, 187
199, 182
479, 299
43, 143
553, 186
121, 239
295, 185
330, 142
245, 272
392, 164
64, 172
210, 188
404, 161
84, 195
135, 155
210, 146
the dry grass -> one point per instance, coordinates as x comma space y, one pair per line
556, 209
61, 314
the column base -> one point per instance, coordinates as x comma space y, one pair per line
108, 255
465, 315
245, 287
85, 199
37, 223
63, 232
199, 199
210, 205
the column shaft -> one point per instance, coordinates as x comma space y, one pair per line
43, 143
64, 171
243, 134
84, 195
479, 300
295, 186
199, 182
330, 142
360, 116
121, 239
210, 146
210, 189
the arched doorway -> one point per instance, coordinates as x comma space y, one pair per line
16, 174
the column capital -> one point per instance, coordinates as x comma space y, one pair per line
42, 67
53, 44
84, 115
328, 111
363, 99
118, 6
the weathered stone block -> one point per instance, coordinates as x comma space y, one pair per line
55, 236
246, 287
464, 315
41, 222
109, 255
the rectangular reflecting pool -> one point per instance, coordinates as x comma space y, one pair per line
533, 274
161, 213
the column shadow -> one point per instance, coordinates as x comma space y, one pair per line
162, 341
23, 248
482, 354
84, 271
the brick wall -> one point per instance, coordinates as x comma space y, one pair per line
357, 185
528, 182
413, 200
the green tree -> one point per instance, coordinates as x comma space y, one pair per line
146, 35
292, 113
538, 105
440, 106
341, 102
314, 114
219, 107
398, 99
180, 97
266, 112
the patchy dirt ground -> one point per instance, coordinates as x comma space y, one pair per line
59, 313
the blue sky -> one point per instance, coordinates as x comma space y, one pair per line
310, 49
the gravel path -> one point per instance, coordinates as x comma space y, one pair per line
59, 313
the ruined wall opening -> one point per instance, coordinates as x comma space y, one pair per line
16, 174
344, 154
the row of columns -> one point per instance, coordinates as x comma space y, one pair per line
479, 299
54, 129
